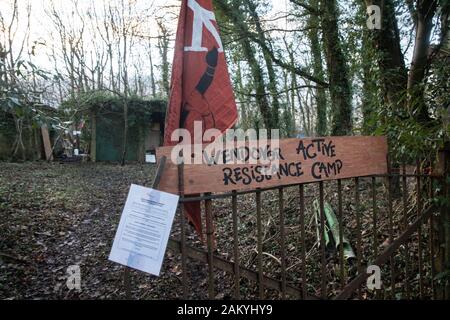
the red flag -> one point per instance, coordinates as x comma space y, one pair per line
200, 86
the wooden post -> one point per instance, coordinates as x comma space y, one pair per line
37, 144
210, 245
442, 244
184, 279
47, 143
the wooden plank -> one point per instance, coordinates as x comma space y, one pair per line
47, 143
300, 161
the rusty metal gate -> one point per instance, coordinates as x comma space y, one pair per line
391, 221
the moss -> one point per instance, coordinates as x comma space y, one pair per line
102, 102
107, 109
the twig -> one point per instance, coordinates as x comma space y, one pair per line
5, 255
269, 255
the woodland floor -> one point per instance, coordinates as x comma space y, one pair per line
56, 215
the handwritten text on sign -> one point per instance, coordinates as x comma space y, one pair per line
296, 161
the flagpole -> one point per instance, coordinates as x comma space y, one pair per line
184, 279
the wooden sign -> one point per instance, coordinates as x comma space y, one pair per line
300, 161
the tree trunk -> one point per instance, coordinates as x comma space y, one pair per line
152, 74
391, 62
425, 11
244, 119
337, 71
321, 99
275, 119
296, 94
111, 68
370, 100
125, 99
234, 14
163, 45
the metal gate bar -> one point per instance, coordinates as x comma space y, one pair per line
358, 233
423, 257
405, 226
341, 236
301, 191
237, 288
419, 230
210, 245
260, 245
227, 266
281, 285
387, 253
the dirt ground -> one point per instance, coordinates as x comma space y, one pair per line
55, 215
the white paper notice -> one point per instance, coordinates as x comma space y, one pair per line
144, 229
